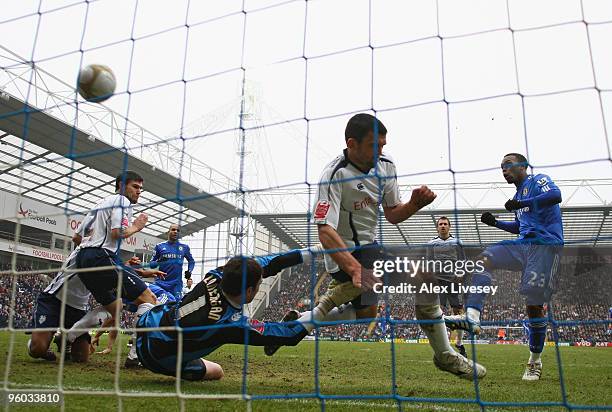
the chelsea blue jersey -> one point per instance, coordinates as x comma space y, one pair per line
541, 223
169, 258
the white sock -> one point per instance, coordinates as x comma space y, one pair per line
132, 352
535, 357
344, 312
142, 308
436, 332
459, 338
307, 317
473, 314
91, 319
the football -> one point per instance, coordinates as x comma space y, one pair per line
96, 83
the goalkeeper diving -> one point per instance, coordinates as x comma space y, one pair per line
211, 316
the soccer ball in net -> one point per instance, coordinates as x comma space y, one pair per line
96, 83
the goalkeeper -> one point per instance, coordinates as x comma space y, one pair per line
211, 315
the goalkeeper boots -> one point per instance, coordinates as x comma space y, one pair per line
462, 322
459, 365
289, 317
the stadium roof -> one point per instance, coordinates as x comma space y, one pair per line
47, 159
582, 226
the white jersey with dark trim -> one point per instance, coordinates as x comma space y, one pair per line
113, 212
449, 249
77, 295
349, 200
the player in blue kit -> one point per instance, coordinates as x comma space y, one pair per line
169, 257
535, 252
211, 316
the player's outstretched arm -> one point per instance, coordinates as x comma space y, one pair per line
421, 197
273, 264
512, 227
269, 333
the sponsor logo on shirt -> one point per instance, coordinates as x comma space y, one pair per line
321, 209
362, 204
525, 191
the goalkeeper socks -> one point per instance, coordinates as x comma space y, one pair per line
537, 336
476, 300
93, 318
436, 332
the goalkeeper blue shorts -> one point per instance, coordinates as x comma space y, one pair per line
192, 370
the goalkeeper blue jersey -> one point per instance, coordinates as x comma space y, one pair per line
209, 320
542, 223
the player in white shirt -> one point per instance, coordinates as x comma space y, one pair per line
107, 224
187, 287
352, 189
445, 247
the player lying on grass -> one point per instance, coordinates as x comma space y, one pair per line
535, 252
211, 316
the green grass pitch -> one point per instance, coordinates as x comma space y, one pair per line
345, 368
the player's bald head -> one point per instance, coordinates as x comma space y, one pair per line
173, 231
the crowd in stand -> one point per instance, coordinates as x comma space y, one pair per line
580, 297
28, 287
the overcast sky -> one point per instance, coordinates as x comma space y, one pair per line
455, 86
411, 66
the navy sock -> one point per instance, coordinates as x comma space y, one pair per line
476, 300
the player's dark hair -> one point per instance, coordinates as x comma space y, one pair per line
519, 157
233, 274
443, 218
361, 124
127, 176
